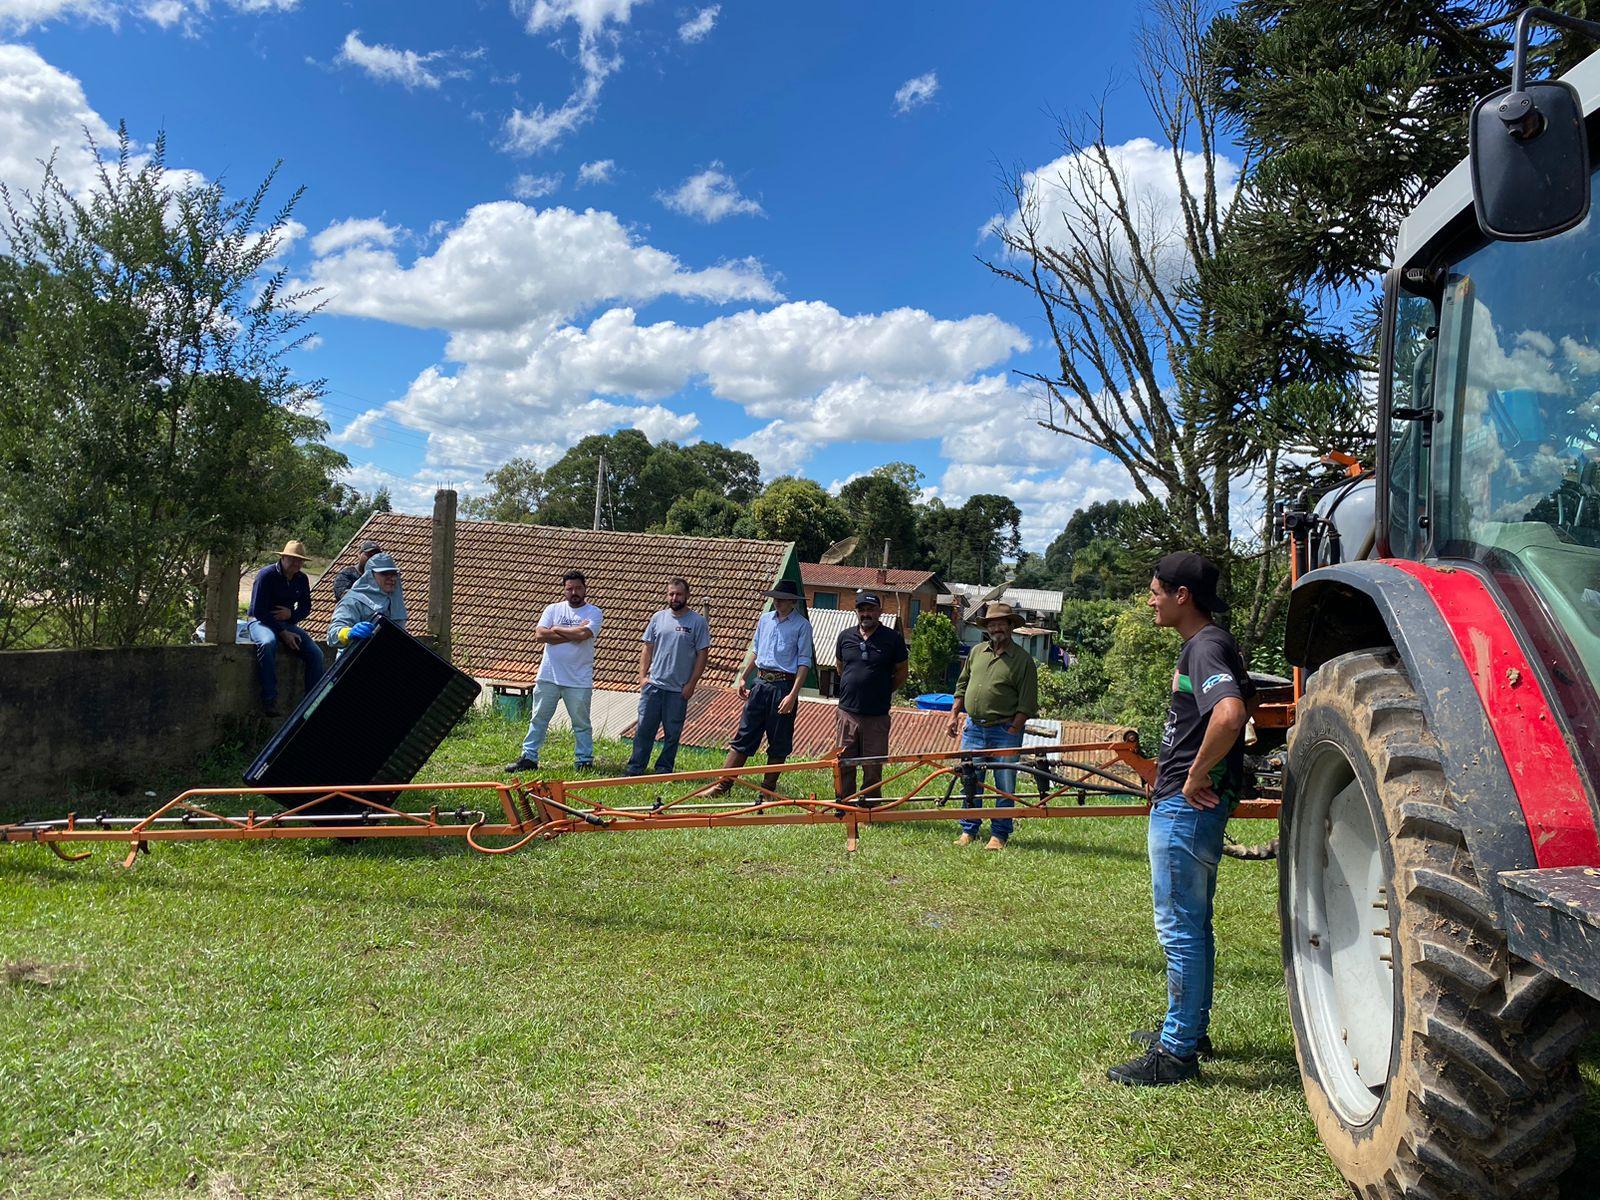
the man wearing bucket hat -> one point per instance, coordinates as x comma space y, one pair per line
781, 657
279, 601
1199, 776
998, 691
346, 578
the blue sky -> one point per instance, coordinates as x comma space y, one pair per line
537, 219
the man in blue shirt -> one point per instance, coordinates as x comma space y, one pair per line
279, 601
672, 657
781, 656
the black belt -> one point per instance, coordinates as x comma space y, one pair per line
772, 676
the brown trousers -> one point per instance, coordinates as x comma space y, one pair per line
863, 737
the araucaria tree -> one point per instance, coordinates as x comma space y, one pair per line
147, 416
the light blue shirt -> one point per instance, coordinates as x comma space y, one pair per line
675, 642
783, 645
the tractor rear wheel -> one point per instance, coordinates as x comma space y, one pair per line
1434, 1064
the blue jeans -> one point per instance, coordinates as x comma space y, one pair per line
1185, 846
267, 643
545, 695
663, 709
991, 737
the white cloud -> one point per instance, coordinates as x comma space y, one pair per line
699, 26
1000, 450
531, 187
353, 232
710, 196
165, 13
1148, 175
43, 111
388, 64
914, 93
542, 128
600, 171
507, 266
25, 14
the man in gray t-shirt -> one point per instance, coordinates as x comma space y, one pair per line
672, 657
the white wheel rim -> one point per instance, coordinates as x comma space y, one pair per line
1341, 943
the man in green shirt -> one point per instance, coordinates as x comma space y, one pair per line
998, 691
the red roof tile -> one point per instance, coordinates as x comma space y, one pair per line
822, 575
506, 573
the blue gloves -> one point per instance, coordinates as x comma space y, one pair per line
356, 632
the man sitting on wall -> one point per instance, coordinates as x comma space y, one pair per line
279, 601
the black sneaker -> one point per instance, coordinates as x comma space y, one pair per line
1155, 1068
522, 764
1149, 1037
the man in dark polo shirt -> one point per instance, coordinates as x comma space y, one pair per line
1199, 778
998, 691
873, 663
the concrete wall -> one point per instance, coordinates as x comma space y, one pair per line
121, 719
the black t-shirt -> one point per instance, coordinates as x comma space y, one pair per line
1209, 668
866, 669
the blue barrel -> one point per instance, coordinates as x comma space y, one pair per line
937, 701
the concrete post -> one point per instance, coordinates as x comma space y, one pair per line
222, 597
442, 569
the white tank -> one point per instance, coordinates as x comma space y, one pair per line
1351, 508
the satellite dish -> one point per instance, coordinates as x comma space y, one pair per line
993, 593
839, 551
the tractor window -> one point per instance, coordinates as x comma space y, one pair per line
1412, 387
1516, 460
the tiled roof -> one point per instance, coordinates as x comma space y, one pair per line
826, 626
821, 575
714, 718
506, 573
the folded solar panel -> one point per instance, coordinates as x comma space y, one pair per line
374, 718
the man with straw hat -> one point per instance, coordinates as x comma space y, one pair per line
998, 691
279, 601
781, 657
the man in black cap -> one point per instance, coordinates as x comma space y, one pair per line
1199, 777
781, 655
346, 579
873, 663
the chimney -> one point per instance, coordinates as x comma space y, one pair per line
442, 569
883, 577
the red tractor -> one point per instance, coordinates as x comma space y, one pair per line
1438, 852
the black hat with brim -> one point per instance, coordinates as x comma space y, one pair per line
785, 589
1197, 573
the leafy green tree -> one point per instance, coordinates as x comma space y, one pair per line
932, 650
799, 511
569, 483
881, 506
968, 544
733, 473
147, 416
705, 513
516, 493
337, 516
1086, 626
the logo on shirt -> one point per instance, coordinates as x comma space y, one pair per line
1220, 677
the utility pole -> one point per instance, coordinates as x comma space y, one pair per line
599, 484
886, 553
442, 570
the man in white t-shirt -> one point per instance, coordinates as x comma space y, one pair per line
567, 631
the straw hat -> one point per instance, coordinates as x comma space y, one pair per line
294, 550
995, 610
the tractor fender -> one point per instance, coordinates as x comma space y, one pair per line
1434, 617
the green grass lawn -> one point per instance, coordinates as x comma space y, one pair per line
730, 1013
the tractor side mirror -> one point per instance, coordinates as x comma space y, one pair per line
1530, 161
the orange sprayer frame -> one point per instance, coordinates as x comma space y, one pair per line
536, 810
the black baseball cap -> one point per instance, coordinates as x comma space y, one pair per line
370, 547
1197, 573
865, 597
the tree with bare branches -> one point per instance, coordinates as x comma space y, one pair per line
1178, 353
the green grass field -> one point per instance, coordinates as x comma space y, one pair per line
730, 1013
